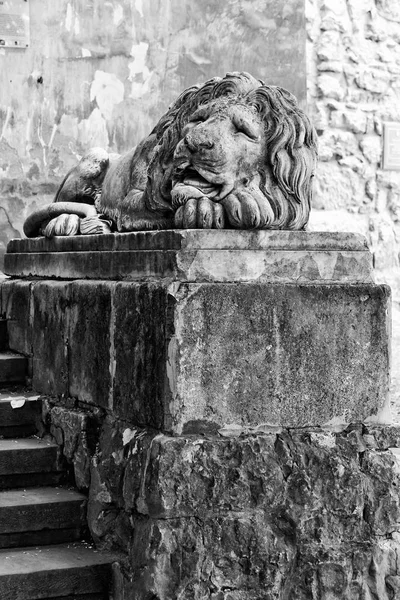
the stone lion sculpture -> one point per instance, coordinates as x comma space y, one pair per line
231, 153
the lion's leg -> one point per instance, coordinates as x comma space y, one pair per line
200, 213
71, 224
44, 215
132, 214
83, 182
75, 198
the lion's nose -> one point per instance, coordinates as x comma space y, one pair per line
194, 143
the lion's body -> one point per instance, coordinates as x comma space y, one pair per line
232, 152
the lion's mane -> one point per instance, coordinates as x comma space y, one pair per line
290, 139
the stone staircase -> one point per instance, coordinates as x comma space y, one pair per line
44, 552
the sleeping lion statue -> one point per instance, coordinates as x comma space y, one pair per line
230, 153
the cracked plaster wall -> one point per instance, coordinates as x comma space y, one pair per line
100, 73
353, 79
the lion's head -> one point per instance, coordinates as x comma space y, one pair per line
240, 144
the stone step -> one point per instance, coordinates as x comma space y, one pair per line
45, 515
13, 367
65, 572
19, 413
29, 462
3, 335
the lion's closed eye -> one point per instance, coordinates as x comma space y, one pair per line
198, 117
245, 127
194, 120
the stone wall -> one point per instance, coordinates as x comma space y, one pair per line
353, 62
296, 514
225, 422
354, 87
102, 73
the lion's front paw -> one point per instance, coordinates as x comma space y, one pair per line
200, 213
248, 209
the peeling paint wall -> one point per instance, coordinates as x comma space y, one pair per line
101, 73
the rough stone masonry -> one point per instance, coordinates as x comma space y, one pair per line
220, 465
353, 79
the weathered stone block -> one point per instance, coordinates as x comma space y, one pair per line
201, 357
300, 514
90, 359
139, 347
16, 302
195, 256
239, 557
225, 475
50, 302
159, 355
252, 355
71, 430
105, 507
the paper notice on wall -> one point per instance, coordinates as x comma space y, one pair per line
14, 23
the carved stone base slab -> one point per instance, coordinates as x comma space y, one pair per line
195, 256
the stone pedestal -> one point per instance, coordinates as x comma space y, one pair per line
221, 397
208, 330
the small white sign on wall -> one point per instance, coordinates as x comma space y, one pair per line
391, 146
14, 23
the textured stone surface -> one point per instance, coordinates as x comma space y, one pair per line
196, 256
140, 331
75, 433
395, 378
50, 337
90, 355
199, 265
355, 43
190, 357
124, 62
285, 355
299, 514
16, 299
193, 239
